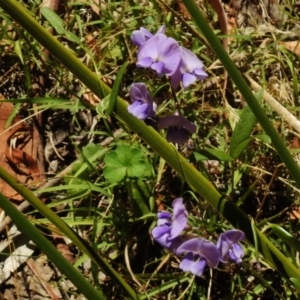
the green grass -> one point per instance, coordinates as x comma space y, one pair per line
115, 213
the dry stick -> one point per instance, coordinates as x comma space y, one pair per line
219, 9
52, 182
47, 286
281, 110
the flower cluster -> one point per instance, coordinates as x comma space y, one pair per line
166, 57
170, 233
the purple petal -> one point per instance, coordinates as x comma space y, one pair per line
176, 121
139, 110
161, 49
233, 235
198, 267
170, 54
189, 61
146, 62
175, 79
158, 67
188, 79
143, 106
187, 262
179, 218
139, 92
190, 68
159, 231
164, 215
151, 48
139, 37
200, 73
236, 253
177, 135
227, 240
167, 222
203, 248
171, 245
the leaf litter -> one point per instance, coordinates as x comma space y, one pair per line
58, 149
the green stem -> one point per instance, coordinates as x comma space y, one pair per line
52, 253
194, 178
66, 230
244, 89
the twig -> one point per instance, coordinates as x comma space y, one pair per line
281, 110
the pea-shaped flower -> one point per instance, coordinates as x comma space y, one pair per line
159, 53
179, 128
143, 106
229, 247
169, 227
190, 68
200, 252
139, 37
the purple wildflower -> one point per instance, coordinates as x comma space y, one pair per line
169, 228
143, 106
200, 252
159, 53
229, 247
190, 68
139, 37
179, 128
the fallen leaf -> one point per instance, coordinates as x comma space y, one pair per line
52, 4
17, 155
95, 6
293, 46
295, 213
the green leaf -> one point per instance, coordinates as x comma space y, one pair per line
296, 282
263, 137
115, 89
63, 265
72, 37
216, 154
286, 236
107, 105
102, 107
90, 154
19, 51
55, 21
125, 161
140, 195
240, 136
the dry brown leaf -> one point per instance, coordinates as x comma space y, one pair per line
52, 4
295, 214
43, 274
293, 46
62, 247
95, 6
18, 152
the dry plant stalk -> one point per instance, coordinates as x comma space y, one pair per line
274, 104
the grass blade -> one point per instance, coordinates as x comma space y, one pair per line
53, 254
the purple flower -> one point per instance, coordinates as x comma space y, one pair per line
169, 228
159, 53
190, 68
229, 247
139, 37
179, 128
143, 106
200, 252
